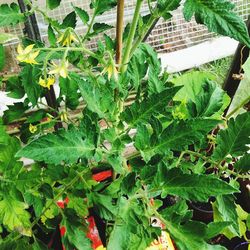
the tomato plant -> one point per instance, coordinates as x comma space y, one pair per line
175, 127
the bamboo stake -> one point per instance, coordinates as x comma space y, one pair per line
119, 31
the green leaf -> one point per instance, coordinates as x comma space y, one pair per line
104, 205
36, 116
14, 216
78, 204
14, 88
15, 245
28, 179
235, 139
9, 167
128, 184
51, 36
192, 83
52, 4
145, 57
175, 137
54, 148
69, 21
2, 57
39, 245
75, 235
137, 68
215, 228
30, 77
101, 6
110, 45
76, 238
243, 91
35, 199
119, 237
90, 127
155, 85
82, 14
10, 14
187, 234
4, 137
132, 229
243, 164
99, 28
115, 160
210, 102
219, 17
141, 112
69, 88
225, 210
193, 187
99, 97
14, 112
49, 213
248, 221
165, 6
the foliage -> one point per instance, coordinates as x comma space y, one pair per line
10, 14
181, 143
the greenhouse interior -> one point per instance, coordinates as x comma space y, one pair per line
125, 124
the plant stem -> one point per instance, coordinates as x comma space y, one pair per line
140, 38
245, 101
83, 49
180, 158
131, 35
89, 27
197, 155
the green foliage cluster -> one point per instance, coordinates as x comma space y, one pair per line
175, 127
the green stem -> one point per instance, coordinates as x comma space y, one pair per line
143, 33
197, 155
83, 49
89, 27
45, 64
47, 106
180, 158
131, 35
245, 101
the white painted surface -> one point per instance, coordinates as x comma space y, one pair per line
199, 54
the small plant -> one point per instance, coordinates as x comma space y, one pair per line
179, 142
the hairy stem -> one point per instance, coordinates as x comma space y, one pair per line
145, 30
244, 102
89, 27
207, 159
131, 35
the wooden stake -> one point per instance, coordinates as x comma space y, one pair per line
119, 31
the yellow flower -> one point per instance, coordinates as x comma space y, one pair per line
32, 128
112, 71
61, 69
26, 55
67, 38
47, 83
64, 116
